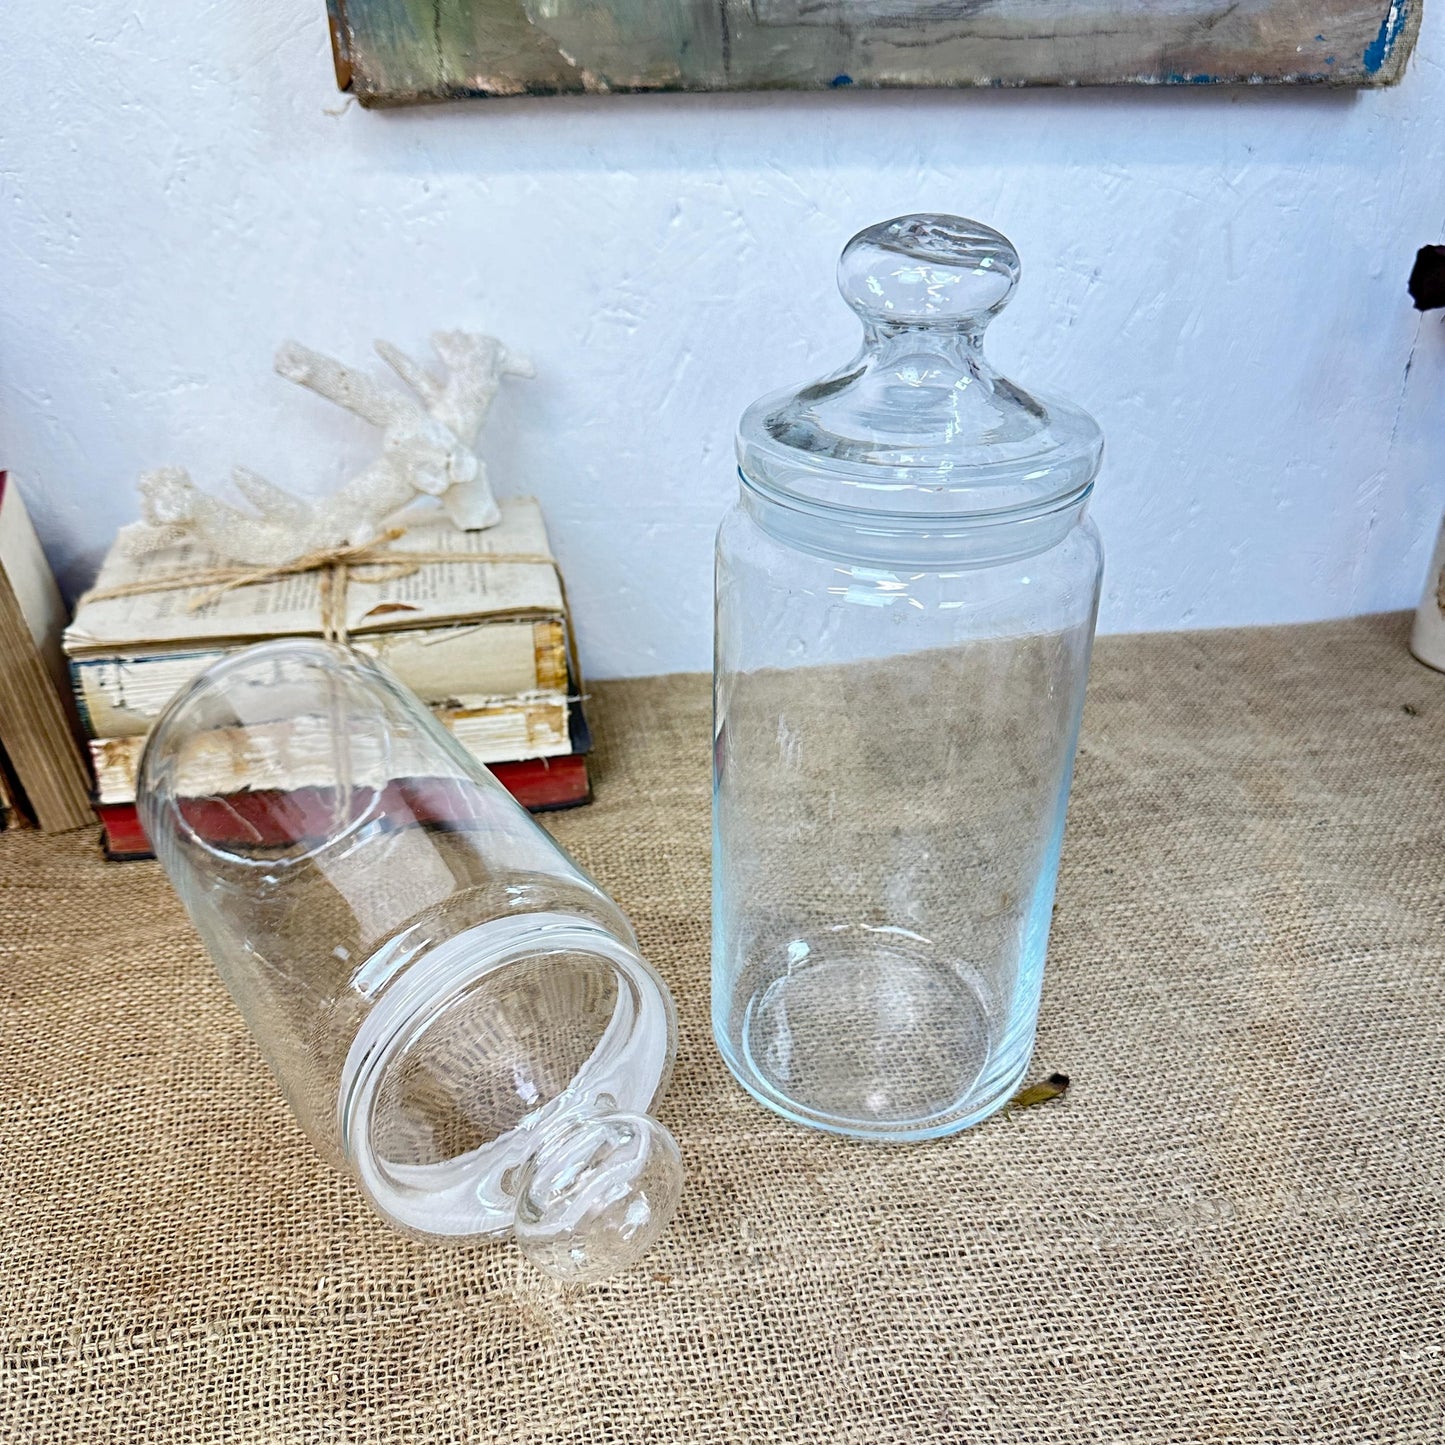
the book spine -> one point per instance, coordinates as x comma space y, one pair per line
550, 651
35, 729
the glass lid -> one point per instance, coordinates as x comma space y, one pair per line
918, 423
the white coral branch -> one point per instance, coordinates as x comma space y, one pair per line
428, 447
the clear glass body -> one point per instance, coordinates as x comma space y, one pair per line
892, 761
458, 1015
906, 596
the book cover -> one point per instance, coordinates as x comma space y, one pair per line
37, 729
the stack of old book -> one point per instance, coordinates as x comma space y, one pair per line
479, 631
42, 771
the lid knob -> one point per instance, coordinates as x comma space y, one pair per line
917, 424
596, 1195
924, 270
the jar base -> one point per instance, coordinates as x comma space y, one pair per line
875, 1045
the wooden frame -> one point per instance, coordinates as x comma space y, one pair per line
398, 52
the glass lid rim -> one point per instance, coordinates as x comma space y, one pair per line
1030, 508
949, 474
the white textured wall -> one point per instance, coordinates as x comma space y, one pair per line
1219, 276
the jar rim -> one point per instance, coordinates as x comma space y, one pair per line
632, 1071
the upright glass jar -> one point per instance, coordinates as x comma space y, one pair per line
458, 1015
906, 595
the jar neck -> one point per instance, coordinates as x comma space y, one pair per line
979, 539
883, 340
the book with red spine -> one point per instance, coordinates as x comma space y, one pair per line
539, 784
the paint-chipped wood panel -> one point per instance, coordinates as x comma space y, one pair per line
396, 52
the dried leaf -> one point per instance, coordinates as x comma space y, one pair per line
1054, 1087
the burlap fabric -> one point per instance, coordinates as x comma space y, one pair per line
1229, 1230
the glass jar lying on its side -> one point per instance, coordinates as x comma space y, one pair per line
458, 1015
906, 595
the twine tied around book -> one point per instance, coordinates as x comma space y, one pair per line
366, 562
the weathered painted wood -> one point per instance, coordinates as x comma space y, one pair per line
395, 52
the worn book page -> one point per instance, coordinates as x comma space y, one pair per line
436, 592
460, 666
300, 753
